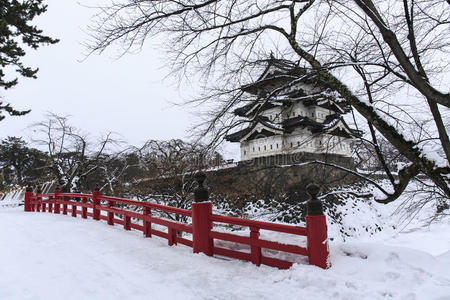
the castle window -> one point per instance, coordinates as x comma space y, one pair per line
292, 145
264, 147
253, 149
259, 148
298, 143
277, 145
245, 152
270, 146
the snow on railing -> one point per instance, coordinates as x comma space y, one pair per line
200, 229
12, 198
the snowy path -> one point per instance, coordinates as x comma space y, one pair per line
46, 256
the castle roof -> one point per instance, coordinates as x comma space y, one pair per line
260, 104
282, 84
276, 71
260, 126
333, 124
285, 82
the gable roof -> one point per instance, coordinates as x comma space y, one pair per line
335, 125
264, 124
257, 105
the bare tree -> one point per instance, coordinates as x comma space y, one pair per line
168, 169
364, 50
72, 156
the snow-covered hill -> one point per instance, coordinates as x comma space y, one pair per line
47, 256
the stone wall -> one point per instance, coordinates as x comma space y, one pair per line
264, 178
263, 181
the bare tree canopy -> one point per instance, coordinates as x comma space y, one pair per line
369, 52
72, 155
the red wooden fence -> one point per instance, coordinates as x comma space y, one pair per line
201, 227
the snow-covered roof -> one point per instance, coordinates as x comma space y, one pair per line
335, 125
259, 125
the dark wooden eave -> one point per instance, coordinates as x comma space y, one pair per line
285, 71
300, 121
250, 109
264, 121
336, 125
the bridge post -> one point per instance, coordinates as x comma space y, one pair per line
316, 228
28, 195
95, 203
201, 223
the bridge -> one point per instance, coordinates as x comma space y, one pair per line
198, 230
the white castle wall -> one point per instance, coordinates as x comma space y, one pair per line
288, 144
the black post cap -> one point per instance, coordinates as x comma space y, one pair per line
200, 193
314, 205
313, 190
39, 190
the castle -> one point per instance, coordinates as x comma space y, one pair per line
292, 113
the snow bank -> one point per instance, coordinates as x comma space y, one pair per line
47, 256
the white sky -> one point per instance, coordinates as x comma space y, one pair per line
128, 96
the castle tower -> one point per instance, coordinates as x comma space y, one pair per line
293, 114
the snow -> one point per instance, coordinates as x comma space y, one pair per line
48, 256
12, 198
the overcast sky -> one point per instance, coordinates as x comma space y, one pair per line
127, 95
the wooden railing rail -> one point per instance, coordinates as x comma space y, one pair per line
101, 207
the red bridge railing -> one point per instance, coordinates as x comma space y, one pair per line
100, 207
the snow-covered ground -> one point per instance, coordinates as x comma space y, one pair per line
47, 256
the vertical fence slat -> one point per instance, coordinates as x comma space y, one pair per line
147, 224
95, 204
64, 199
50, 204
33, 203
172, 238
110, 214
126, 222
74, 210
38, 202
57, 204
84, 209
28, 198
255, 250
